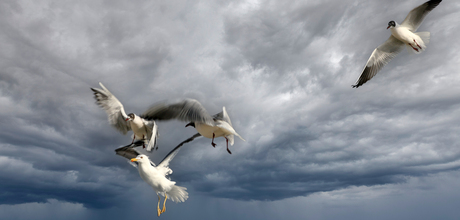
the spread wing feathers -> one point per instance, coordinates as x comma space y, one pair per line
185, 110
152, 134
223, 116
129, 152
163, 167
114, 109
379, 58
416, 15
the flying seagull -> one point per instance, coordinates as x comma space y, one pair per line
143, 129
190, 110
155, 176
401, 35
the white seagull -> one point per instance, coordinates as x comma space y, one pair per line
190, 110
143, 129
401, 34
155, 176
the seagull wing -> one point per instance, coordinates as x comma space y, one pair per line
152, 134
184, 110
223, 116
416, 16
114, 109
164, 164
129, 152
379, 58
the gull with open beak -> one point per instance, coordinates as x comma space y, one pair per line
143, 129
190, 110
155, 176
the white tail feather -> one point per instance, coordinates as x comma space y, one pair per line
178, 194
425, 36
422, 41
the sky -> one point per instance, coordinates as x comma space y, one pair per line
315, 147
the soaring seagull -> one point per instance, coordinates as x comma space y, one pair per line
401, 35
143, 129
190, 110
155, 176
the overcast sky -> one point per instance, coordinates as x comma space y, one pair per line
315, 148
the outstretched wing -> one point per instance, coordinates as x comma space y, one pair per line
163, 167
114, 109
129, 152
415, 17
223, 116
184, 110
379, 58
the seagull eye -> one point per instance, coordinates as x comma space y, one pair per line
142, 157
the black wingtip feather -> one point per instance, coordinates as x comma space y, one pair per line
432, 4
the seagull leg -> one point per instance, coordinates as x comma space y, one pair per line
164, 204
158, 207
212, 142
143, 138
417, 44
413, 47
227, 146
134, 137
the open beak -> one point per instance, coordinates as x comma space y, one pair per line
133, 160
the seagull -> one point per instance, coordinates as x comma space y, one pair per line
218, 125
401, 35
155, 176
143, 129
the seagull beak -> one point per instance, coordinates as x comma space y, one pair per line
388, 26
126, 119
133, 160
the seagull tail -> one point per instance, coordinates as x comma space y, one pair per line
425, 36
178, 194
422, 42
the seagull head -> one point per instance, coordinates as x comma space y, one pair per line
130, 117
141, 158
391, 24
190, 124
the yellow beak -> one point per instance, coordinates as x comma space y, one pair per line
134, 159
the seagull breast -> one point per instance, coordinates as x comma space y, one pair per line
403, 34
205, 130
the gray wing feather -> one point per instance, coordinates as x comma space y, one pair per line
379, 58
114, 109
172, 154
223, 116
128, 151
152, 134
415, 17
185, 110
